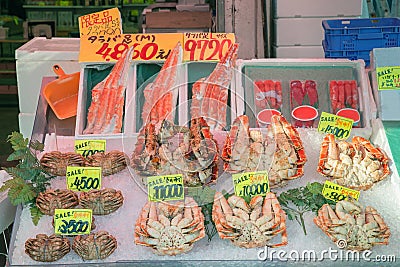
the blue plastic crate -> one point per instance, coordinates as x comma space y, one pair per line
349, 54
361, 34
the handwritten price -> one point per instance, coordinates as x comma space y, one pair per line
168, 191
212, 47
335, 196
73, 227
85, 183
141, 52
90, 152
337, 132
254, 189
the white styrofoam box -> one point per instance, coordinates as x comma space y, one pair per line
316, 8
7, 210
26, 121
298, 51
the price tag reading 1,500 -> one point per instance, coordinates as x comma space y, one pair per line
89, 147
337, 193
165, 188
83, 178
72, 221
251, 184
340, 127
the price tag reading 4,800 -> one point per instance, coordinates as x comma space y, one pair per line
83, 178
72, 221
89, 147
340, 127
165, 188
337, 193
251, 184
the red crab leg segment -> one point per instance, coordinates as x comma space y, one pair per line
272, 206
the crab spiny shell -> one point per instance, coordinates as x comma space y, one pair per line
52, 199
95, 246
111, 162
56, 162
102, 202
47, 248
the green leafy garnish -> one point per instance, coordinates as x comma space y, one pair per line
296, 202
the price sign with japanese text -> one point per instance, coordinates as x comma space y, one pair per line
89, 147
251, 183
337, 193
104, 23
340, 127
83, 178
388, 78
165, 187
94, 48
72, 221
206, 46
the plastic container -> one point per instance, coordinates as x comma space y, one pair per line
304, 116
350, 113
264, 117
349, 54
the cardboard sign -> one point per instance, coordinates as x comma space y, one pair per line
337, 193
104, 23
388, 78
72, 221
340, 127
89, 147
165, 187
206, 46
251, 183
83, 179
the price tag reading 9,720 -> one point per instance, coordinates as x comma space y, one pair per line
340, 127
89, 147
83, 178
337, 193
165, 188
251, 184
72, 221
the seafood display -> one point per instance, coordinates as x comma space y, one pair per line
56, 162
191, 152
303, 93
268, 94
106, 111
53, 199
281, 152
101, 202
161, 95
357, 164
249, 225
170, 229
343, 94
110, 162
359, 228
210, 95
95, 246
47, 248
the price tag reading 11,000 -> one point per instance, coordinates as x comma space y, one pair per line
83, 178
165, 188
72, 221
337, 193
251, 184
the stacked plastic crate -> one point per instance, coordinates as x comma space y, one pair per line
297, 25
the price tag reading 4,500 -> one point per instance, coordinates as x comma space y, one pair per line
251, 184
89, 147
83, 178
340, 127
165, 188
337, 193
72, 221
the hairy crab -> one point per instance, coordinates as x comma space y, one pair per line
170, 229
56, 162
111, 162
357, 164
47, 248
249, 225
95, 246
103, 201
52, 199
352, 227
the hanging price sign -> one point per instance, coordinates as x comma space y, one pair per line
83, 178
206, 46
388, 78
72, 221
340, 127
103, 23
89, 147
337, 193
251, 184
94, 48
165, 188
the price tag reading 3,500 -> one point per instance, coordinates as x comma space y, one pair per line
89, 147
337, 193
251, 184
83, 178
72, 221
165, 188
340, 127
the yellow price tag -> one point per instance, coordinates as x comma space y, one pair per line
104, 23
340, 127
165, 188
206, 46
83, 178
89, 147
251, 183
72, 221
337, 193
388, 78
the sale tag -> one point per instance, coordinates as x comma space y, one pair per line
83, 178
388, 78
89, 147
72, 221
251, 183
337, 193
340, 127
104, 23
165, 187
95, 48
206, 46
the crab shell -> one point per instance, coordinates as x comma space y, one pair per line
101, 202
52, 199
95, 246
111, 162
56, 162
47, 248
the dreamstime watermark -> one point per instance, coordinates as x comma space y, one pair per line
330, 254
